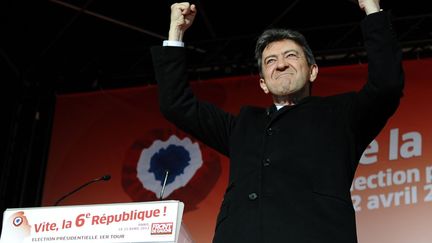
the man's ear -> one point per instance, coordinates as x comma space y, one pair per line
263, 85
313, 72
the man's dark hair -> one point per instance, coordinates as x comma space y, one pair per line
272, 35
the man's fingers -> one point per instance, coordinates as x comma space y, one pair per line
193, 8
181, 6
188, 10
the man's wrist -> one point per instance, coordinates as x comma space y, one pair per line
173, 43
374, 9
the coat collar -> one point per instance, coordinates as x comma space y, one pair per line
272, 112
272, 109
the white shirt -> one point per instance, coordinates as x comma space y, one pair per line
173, 43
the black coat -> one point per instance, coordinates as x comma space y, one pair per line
290, 170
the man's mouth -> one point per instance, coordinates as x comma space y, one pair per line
283, 75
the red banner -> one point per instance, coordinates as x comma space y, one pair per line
122, 133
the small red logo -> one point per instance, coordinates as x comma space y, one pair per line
161, 228
17, 221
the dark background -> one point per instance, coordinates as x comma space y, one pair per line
54, 47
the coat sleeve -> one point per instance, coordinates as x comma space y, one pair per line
178, 104
379, 98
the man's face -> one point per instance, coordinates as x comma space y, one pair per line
285, 70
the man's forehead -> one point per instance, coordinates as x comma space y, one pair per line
282, 46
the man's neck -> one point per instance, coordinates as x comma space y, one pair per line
291, 99
287, 100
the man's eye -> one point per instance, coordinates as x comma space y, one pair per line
269, 61
292, 56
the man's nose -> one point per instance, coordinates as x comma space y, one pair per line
283, 63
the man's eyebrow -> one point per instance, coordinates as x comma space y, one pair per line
291, 50
285, 52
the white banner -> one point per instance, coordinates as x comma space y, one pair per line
158, 221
